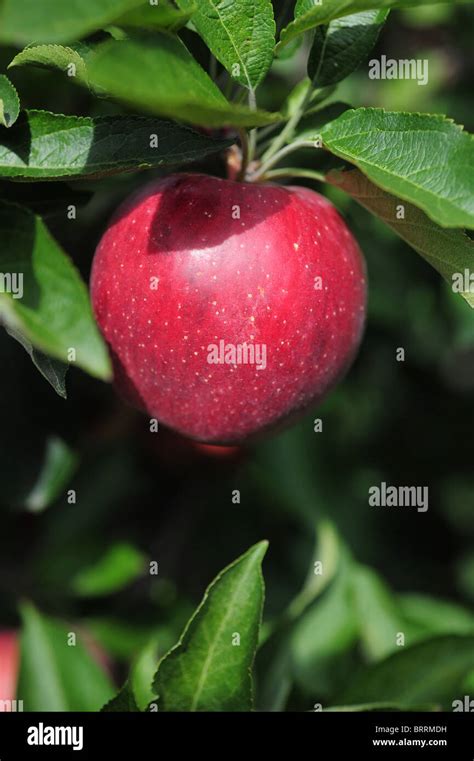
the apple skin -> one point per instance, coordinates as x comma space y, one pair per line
191, 260
9, 665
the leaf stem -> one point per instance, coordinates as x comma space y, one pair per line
288, 130
275, 158
289, 171
253, 133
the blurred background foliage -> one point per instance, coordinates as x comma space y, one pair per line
144, 497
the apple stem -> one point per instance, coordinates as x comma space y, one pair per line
245, 147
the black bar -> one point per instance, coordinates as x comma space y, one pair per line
315, 735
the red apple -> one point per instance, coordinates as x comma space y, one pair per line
228, 307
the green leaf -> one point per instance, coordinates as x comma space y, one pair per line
59, 465
123, 702
326, 630
339, 48
163, 15
54, 371
142, 674
435, 616
295, 98
431, 671
379, 619
210, 667
43, 296
70, 60
50, 146
311, 13
423, 158
55, 673
9, 102
450, 252
240, 34
174, 86
119, 566
57, 20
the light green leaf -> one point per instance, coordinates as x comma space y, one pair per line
59, 465
43, 296
241, 35
450, 252
295, 98
275, 658
9, 102
50, 146
340, 47
379, 619
142, 673
55, 675
311, 13
434, 616
120, 565
54, 371
70, 60
431, 671
423, 158
57, 20
163, 15
326, 630
206, 671
174, 86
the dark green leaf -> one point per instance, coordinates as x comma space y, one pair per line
450, 252
54, 371
241, 35
423, 158
43, 296
174, 86
57, 20
47, 146
311, 13
9, 102
210, 668
58, 467
340, 47
431, 671
119, 566
162, 15
57, 674
123, 702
